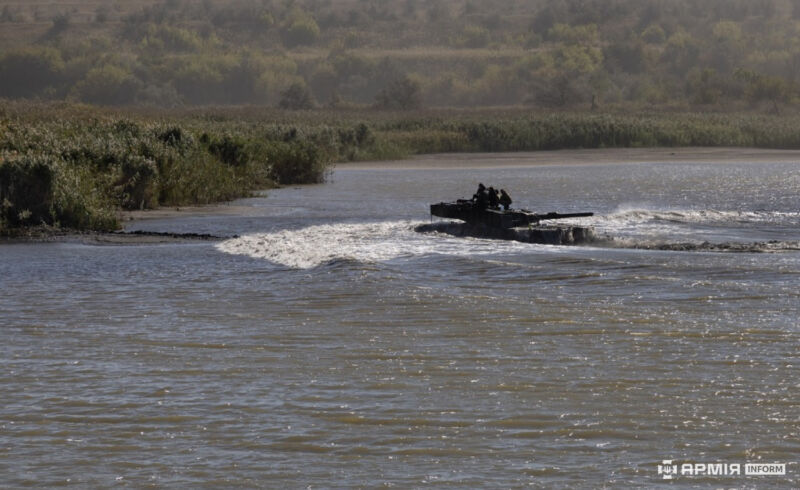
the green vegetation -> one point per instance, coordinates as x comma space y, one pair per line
681, 55
77, 167
362, 79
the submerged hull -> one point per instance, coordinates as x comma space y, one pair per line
517, 225
544, 234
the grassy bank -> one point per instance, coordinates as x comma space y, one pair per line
77, 166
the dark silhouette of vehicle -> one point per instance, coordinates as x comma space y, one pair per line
507, 224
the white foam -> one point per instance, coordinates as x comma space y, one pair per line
680, 222
638, 223
630, 216
363, 242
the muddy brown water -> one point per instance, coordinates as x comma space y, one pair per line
330, 345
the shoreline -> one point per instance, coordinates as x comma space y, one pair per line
226, 208
120, 237
445, 161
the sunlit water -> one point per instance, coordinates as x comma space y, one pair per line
331, 345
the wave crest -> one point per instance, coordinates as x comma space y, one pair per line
632, 216
361, 242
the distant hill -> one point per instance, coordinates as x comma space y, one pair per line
549, 54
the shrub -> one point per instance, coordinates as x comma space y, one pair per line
300, 29
402, 94
61, 23
81, 200
231, 151
108, 85
199, 80
172, 39
175, 137
352, 142
199, 178
296, 97
137, 183
26, 191
297, 162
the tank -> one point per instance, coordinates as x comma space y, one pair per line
513, 224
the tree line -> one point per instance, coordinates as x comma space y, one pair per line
301, 54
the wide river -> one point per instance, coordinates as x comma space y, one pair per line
331, 345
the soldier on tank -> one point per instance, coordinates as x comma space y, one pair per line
505, 199
481, 198
493, 198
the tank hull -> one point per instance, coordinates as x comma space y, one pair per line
518, 225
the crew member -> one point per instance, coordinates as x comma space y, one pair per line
481, 198
505, 199
481, 190
493, 199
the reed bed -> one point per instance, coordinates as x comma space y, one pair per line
78, 167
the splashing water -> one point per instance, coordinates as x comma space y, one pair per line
363, 242
697, 230
625, 216
383, 241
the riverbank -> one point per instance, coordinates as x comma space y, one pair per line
79, 167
